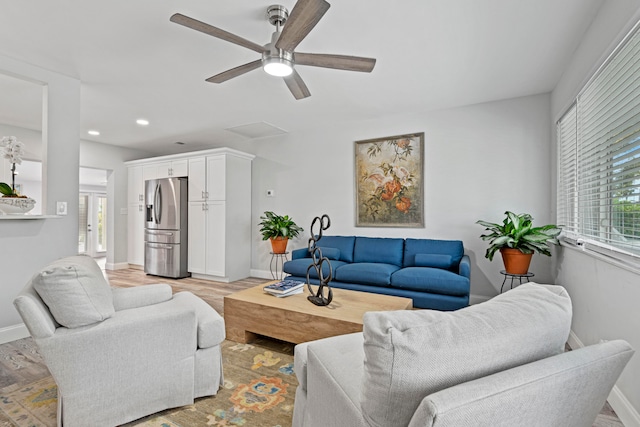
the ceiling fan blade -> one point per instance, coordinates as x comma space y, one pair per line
235, 72
215, 32
340, 62
304, 16
296, 85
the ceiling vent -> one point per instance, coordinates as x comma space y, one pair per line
257, 130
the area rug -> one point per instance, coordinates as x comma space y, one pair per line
259, 390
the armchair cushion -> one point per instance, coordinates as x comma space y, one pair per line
526, 324
75, 291
211, 330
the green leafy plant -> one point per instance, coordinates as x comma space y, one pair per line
518, 232
274, 225
6, 189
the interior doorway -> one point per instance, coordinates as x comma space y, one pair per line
92, 224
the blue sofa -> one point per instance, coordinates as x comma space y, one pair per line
434, 273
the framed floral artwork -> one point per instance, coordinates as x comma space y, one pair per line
390, 181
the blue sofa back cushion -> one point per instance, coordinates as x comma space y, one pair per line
298, 267
433, 260
434, 280
412, 247
344, 244
364, 273
378, 249
331, 253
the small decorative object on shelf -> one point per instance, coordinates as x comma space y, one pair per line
11, 202
318, 297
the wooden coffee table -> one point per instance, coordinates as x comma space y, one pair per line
294, 319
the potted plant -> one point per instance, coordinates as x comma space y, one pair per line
517, 239
278, 229
12, 202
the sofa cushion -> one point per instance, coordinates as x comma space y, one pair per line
75, 290
375, 274
413, 247
411, 354
211, 330
298, 267
433, 260
331, 253
343, 243
427, 279
378, 249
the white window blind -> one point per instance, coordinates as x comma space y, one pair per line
599, 157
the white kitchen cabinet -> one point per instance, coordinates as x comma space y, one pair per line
166, 169
136, 185
220, 224
135, 241
207, 247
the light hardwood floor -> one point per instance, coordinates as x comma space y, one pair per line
21, 364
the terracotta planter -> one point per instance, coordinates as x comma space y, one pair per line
515, 262
279, 244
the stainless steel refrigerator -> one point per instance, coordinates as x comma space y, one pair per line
165, 234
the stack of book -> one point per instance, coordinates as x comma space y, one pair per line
284, 288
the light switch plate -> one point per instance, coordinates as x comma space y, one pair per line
61, 208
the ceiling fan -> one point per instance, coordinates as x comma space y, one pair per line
279, 56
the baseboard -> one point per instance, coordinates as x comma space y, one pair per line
618, 401
261, 274
116, 266
12, 333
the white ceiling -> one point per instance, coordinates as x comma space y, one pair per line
431, 54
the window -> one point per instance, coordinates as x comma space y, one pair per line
599, 158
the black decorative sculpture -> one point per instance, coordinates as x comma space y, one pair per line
318, 297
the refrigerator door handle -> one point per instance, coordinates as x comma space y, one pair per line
157, 204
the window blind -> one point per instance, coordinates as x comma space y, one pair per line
599, 157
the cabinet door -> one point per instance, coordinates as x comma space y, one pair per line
179, 168
216, 239
197, 179
163, 170
150, 172
135, 237
216, 177
197, 237
135, 185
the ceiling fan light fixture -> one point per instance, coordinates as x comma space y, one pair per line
279, 67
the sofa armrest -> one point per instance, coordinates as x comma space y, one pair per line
300, 253
464, 268
140, 296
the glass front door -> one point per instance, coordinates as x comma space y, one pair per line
92, 224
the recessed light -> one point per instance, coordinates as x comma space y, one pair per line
142, 122
93, 132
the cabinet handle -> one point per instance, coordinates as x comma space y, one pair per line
206, 194
202, 194
140, 197
139, 208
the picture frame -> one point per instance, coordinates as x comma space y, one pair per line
389, 181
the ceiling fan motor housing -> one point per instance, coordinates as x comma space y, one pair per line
277, 14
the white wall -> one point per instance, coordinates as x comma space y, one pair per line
112, 158
480, 160
605, 297
26, 245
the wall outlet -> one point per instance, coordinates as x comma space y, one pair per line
271, 193
61, 208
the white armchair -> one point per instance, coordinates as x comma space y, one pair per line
123, 353
499, 363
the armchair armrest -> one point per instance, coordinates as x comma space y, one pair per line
464, 268
140, 296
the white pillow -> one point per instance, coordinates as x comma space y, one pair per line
411, 354
75, 291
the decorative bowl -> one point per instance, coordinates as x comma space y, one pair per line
16, 205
